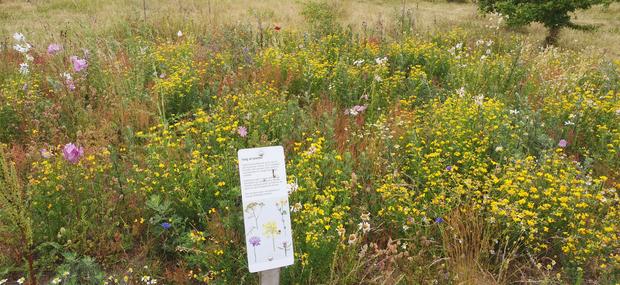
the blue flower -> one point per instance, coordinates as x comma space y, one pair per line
166, 225
439, 220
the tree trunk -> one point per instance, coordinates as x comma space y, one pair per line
552, 37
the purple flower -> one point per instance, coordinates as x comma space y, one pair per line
243, 131
70, 84
45, 153
449, 168
255, 241
53, 49
166, 225
439, 220
79, 64
563, 143
72, 153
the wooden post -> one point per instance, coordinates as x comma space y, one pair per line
269, 277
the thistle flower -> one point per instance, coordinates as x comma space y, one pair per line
79, 64
72, 153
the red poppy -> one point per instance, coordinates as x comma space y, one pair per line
277, 27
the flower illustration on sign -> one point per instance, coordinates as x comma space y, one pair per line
254, 241
270, 229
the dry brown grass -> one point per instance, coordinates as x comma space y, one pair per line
43, 19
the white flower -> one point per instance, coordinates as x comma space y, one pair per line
489, 43
56, 280
488, 51
66, 75
29, 57
479, 42
569, 123
358, 62
499, 148
19, 37
21, 280
364, 226
65, 274
461, 91
405, 227
514, 112
292, 187
381, 60
295, 208
22, 48
179, 34
3, 281
459, 46
23, 68
378, 78
479, 100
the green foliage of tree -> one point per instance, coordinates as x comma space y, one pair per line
553, 14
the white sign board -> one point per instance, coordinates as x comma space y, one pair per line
266, 213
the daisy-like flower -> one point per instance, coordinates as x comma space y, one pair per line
21, 280
242, 131
22, 48
23, 68
381, 60
179, 34
19, 37
364, 227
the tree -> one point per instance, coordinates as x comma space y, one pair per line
553, 14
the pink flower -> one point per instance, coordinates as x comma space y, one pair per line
72, 153
355, 110
243, 131
563, 143
53, 49
79, 64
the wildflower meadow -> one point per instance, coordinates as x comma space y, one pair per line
466, 154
